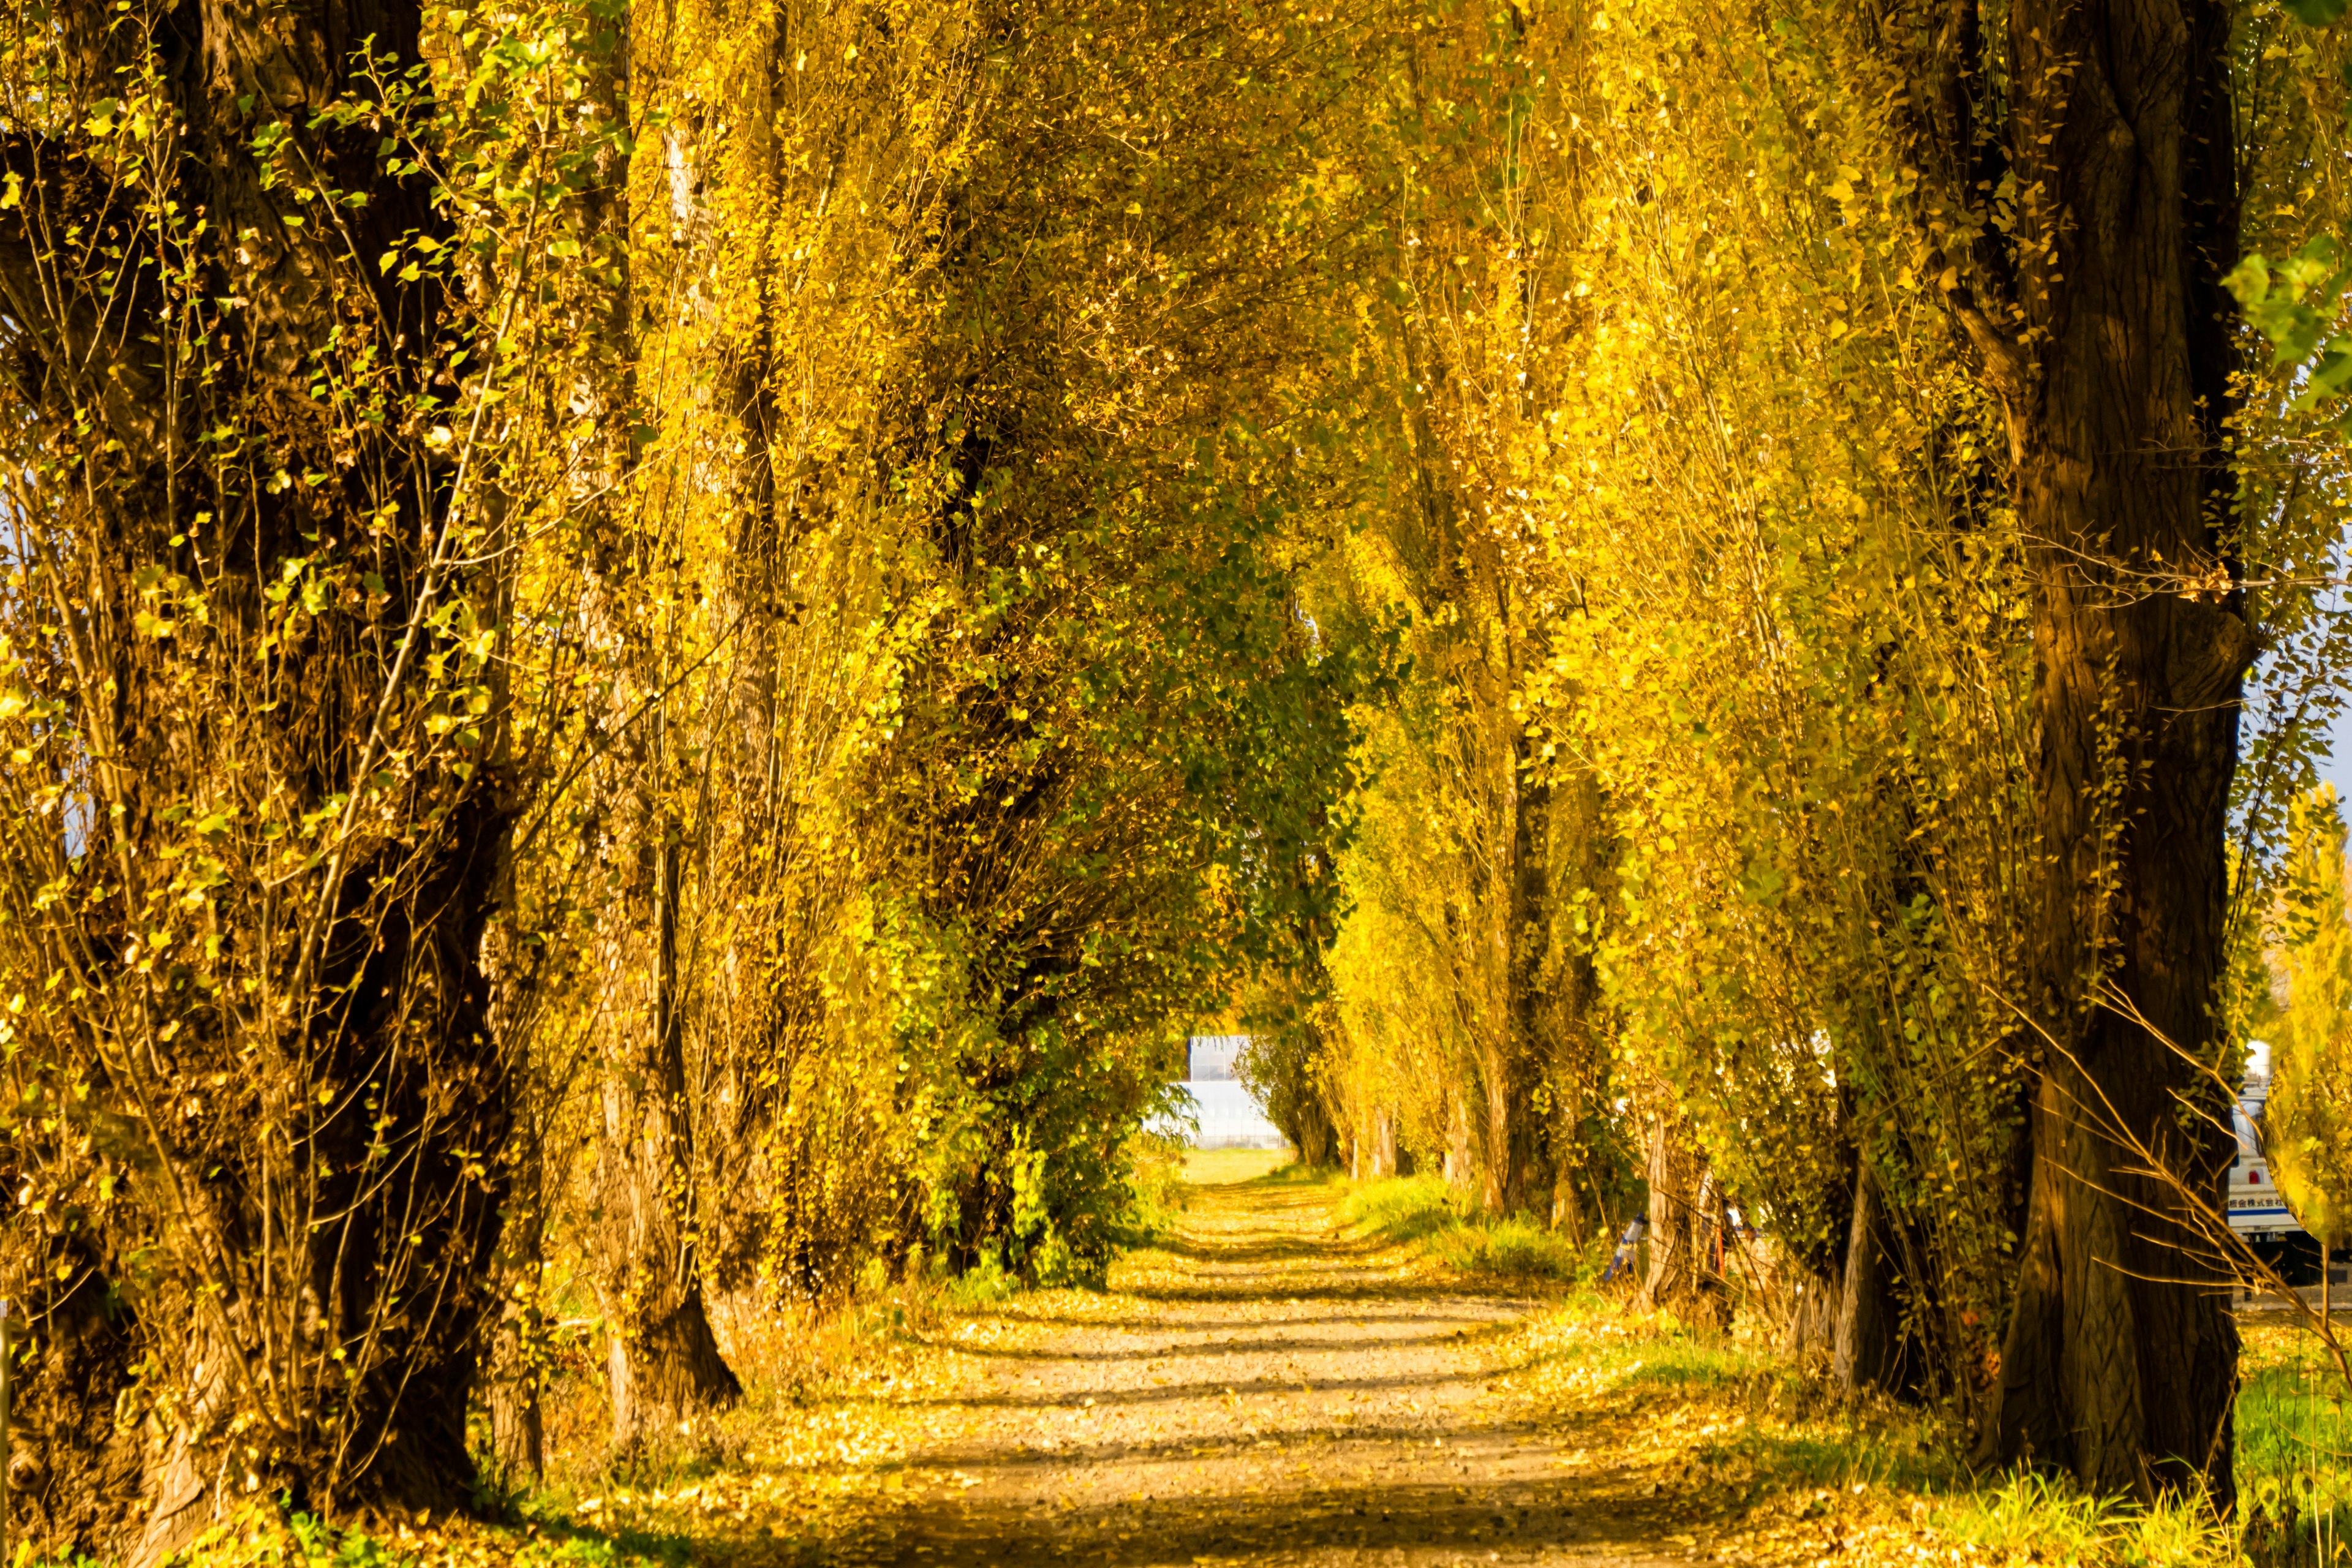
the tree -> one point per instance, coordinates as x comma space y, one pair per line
2095, 309
272, 740
1482, 841
2307, 1117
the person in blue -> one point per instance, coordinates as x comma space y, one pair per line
1624, 1262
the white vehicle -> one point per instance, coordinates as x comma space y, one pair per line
2257, 1212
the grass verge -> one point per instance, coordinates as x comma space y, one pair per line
1449, 1229
1747, 1458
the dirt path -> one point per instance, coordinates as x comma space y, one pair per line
1262, 1390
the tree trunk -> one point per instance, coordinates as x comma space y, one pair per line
1457, 1170
2120, 1356
1813, 1316
511, 1372
287, 1107
513, 1369
1311, 1131
1566, 1209
664, 1365
1680, 1278
1582, 1058
1516, 1135
1867, 1338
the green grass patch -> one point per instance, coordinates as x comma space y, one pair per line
1215, 1167
1450, 1228
267, 1535
2295, 1450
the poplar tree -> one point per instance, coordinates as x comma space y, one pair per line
262, 806
2308, 1115
2096, 313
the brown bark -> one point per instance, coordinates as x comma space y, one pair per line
1457, 1170
1567, 1208
1681, 1279
513, 1346
1813, 1316
513, 1360
1578, 1059
517, 1427
1516, 1130
664, 1367
2113, 362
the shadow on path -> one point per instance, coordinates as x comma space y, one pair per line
1218, 1410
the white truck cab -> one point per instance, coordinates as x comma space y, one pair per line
2256, 1211
2258, 1214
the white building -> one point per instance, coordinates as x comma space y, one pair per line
1226, 1114
1211, 1059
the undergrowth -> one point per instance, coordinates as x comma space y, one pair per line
1450, 1228
2295, 1451
1157, 1187
1784, 1470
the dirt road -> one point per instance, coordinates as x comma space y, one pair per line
1261, 1390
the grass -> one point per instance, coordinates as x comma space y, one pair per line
1783, 1470
265, 1535
1211, 1167
2295, 1450
1449, 1229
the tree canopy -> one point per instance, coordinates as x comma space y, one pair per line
654, 656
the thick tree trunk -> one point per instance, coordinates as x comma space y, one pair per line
299, 1116
2120, 1357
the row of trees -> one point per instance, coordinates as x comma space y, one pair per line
650, 651
1835, 513
645, 651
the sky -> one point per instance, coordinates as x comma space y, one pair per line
2338, 768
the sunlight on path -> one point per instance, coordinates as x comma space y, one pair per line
1261, 1389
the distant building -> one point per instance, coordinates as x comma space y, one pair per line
1211, 1059
1225, 1114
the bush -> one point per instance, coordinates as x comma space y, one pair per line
1158, 1191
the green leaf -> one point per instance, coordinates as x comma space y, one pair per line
2316, 13
2250, 281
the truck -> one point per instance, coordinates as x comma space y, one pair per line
2258, 1213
